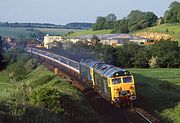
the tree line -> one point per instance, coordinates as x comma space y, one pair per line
163, 54
137, 19
74, 25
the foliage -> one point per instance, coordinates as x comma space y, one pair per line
121, 26
35, 97
76, 25
173, 14
109, 54
153, 62
105, 22
135, 20
126, 54
142, 57
15, 54
167, 53
164, 53
47, 98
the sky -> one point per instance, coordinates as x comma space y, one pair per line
65, 11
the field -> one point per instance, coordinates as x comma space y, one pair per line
52, 31
159, 91
89, 32
29, 33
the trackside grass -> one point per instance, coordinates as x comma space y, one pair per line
159, 91
40, 96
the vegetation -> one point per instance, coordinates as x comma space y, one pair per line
88, 32
74, 25
31, 33
171, 29
164, 53
173, 14
159, 91
29, 92
135, 20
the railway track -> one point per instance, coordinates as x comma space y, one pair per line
107, 110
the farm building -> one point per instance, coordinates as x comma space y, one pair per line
50, 39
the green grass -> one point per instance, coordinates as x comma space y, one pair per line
17, 33
52, 31
19, 92
159, 91
89, 32
27, 33
173, 30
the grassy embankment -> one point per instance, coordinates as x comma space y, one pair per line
28, 33
159, 91
171, 29
30, 93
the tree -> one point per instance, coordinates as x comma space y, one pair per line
121, 26
167, 53
173, 14
142, 57
139, 20
110, 20
109, 54
153, 62
100, 23
105, 22
126, 54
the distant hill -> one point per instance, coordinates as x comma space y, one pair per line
77, 25
162, 31
31, 25
73, 25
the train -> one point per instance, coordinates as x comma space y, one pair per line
113, 83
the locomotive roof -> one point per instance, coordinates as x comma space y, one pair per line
105, 69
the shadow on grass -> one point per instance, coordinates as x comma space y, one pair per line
11, 113
156, 95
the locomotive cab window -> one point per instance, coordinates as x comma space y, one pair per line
116, 81
127, 79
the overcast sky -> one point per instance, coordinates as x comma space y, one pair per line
64, 11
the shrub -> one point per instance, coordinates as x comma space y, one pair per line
47, 98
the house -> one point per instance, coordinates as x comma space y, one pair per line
50, 39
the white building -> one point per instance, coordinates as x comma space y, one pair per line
50, 39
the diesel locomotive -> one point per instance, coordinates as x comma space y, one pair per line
112, 83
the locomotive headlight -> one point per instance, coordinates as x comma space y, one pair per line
131, 87
122, 88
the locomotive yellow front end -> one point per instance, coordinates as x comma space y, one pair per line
122, 89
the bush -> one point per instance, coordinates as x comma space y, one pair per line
47, 98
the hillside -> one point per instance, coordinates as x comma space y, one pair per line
23, 33
88, 32
162, 31
29, 92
